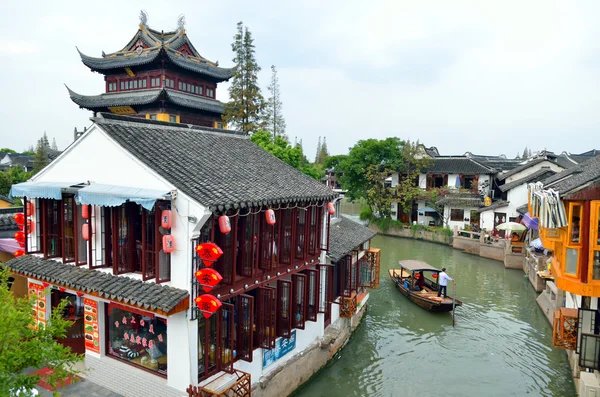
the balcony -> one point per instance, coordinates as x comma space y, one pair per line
237, 384
564, 334
348, 306
373, 257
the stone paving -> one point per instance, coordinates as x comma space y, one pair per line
81, 388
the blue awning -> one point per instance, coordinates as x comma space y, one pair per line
114, 196
427, 209
47, 190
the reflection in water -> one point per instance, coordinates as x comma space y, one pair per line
501, 345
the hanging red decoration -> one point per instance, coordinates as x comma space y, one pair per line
19, 253
270, 215
19, 218
224, 224
166, 219
208, 304
29, 208
29, 226
168, 243
208, 278
62, 289
80, 294
434, 275
330, 208
209, 252
20, 237
85, 211
22, 244
46, 285
85, 231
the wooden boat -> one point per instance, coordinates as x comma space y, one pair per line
406, 278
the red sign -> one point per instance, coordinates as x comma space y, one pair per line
90, 318
208, 278
208, 304
209, 252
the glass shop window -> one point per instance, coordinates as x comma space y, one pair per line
574, 222
572, 257
137, 337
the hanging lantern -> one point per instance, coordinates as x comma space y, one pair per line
208, 304
208, 252
85, 211
330, 208
224, 224
20, 237
434, 275
19, 253
165, 219
168, 243
29, 226
270, 215
208, 278
85, 231
46, 285
22, 244
29, 208
19, 218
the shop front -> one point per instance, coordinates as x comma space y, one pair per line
73, 312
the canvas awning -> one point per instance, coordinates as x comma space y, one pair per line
427, 209
114, 196
47, 190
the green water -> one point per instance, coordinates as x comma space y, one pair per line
501, 345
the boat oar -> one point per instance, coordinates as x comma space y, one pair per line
453, 304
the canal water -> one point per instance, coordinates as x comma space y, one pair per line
501, 344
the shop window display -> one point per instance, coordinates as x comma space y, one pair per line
137, 337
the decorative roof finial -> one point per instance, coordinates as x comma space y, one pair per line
181, 22
143, 17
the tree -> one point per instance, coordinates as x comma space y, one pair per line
7, 150
334, 161
45, 140
54, 146
366, 167
318, 151
274, 121
525, 154
23, 346
244, 110
18, 175
323, 153
5, 183
415, 161
40, 159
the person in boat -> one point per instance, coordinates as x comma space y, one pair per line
420, 280
443, 280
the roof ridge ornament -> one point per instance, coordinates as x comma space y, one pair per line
181, 22
143, 17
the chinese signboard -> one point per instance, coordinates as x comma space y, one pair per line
39, 305
282, 347
90, 317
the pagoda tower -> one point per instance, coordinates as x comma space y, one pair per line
159, 76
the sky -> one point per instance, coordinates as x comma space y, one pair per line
489, 77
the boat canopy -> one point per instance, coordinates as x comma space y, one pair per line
413, 265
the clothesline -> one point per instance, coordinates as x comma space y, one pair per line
547, 206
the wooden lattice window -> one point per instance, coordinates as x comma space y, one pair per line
299, 292
226, 345
286, 223
225, 265
266, 244
69, 229
313, 240
301, 243
565, 328
326, 288
34, 239
312, 307
589, 356
245, 320
284, 308
247, 261
345, 276
82, 247
51, 228
265, 318
355, 275
151, 242
208, 346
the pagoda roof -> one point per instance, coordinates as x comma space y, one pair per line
148, 44
145, 97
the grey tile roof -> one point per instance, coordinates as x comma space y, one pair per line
4, 198
145, 97
519, 168
498, 164
199, 66
574, 178
123, 289
456, 165
461, 200
494, 205
561, 161
537, 176
118, 61
215, 168
7, 222
522, 209
346, 235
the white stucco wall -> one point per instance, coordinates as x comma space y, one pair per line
534, 168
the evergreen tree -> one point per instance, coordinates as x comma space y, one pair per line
54, 146
323, 153
529, 154
5, 183
518, 156
525, 154
45, 140
274, 121
318, 151
40, 159
246, 104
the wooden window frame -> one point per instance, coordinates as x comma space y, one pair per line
326, 289
226, 264
69, 201
266, 242
312, 309
462, 218
594, 239
568, 244
299, 294
301, 234
248, 252
284, 308
37, 227
245, 323
226, 342
45, 220
265, 318
286, 241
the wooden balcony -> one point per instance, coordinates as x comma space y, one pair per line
348, 306
564, 333
237, 384
373, 256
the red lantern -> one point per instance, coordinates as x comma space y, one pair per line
165, 219
208, 278
19, 218
20, 237
80, 294
270, 215
29, 208
22, 244
209, 252
208, 304
85, 211
85, 231
330, 208
29, 226
434, 275
168, 243
19, 253
417, 276
224, 224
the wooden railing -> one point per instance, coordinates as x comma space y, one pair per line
564, 334
237, 384
373, 256
348, 306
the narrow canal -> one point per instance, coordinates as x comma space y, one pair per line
501, 345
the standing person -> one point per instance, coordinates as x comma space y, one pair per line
443, 280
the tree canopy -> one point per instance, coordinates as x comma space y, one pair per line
7, 150
23, 346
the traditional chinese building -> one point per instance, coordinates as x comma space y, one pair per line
157, 75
